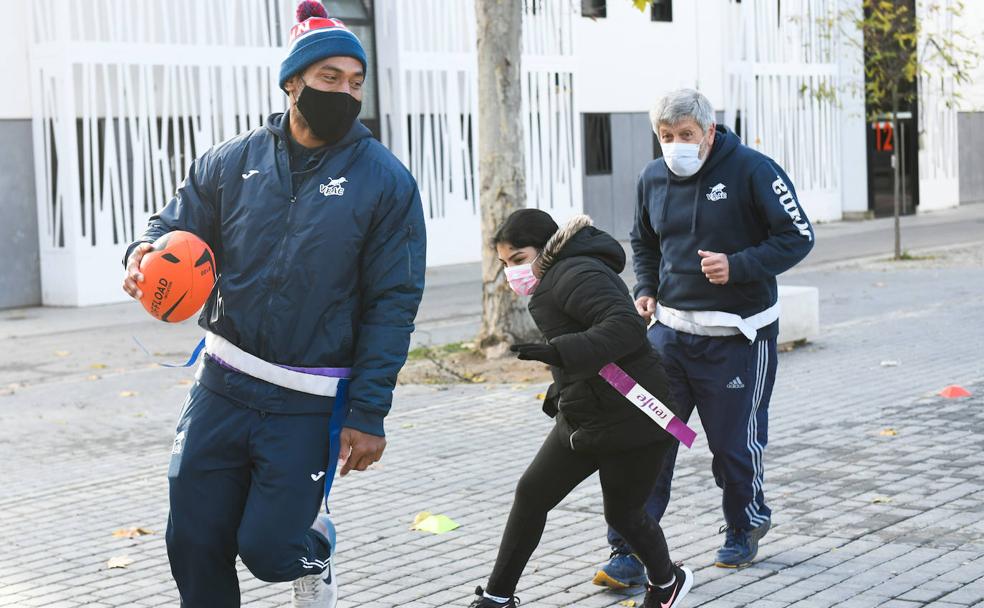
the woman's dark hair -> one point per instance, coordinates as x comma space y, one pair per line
526, 228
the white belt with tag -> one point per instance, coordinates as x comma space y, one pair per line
716, 322
312, 382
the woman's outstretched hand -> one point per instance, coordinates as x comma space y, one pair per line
546, 353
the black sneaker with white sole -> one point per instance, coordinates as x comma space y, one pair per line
670, 597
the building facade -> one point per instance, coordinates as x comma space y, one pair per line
108, 101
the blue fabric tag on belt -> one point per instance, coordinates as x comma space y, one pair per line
191, 360
339, 413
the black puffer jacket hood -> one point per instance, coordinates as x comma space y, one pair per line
580, 238
584, 310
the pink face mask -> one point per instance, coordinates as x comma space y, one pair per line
521, 278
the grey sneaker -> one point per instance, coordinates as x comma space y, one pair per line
740, 546
318, 590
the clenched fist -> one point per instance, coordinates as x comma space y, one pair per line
714, 266
646, 307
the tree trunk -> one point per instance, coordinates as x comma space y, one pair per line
501, 164
896, 174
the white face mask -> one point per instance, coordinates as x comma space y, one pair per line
683, 159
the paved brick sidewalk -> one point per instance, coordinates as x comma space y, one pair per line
862, 519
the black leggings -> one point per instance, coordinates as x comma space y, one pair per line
627, 479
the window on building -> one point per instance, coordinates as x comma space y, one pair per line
598, 144
348, 9
597, 9
662, 10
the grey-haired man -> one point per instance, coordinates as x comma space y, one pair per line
715, 222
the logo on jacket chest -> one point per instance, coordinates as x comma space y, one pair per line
717, 193
333, 187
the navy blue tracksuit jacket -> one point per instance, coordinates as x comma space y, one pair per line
319, 266
312, 273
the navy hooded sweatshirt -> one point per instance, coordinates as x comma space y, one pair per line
739, 203
320, 267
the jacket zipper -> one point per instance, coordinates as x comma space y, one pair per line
282, 252
284, 160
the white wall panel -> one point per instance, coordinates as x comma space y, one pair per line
626, 61
939, 184
15, 103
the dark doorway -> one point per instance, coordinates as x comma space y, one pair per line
883, 141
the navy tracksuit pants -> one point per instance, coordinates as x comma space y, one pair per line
248, 482
730, 383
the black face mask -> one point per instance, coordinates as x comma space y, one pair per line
330, 114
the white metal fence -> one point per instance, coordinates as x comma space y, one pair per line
126, 95
429, 108
780, 60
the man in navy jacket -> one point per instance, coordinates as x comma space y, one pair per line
716, 221
319, 241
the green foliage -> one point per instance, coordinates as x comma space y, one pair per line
899, 48
427, 352
908, 257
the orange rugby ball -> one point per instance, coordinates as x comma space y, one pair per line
178, 276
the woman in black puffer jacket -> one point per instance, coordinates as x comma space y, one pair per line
584, 310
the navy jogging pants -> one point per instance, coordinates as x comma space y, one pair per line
730, 382
248, 482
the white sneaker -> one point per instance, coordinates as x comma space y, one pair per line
318, 590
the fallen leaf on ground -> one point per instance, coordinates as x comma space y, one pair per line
98, 366
435, 524
880, 500
120, 561
131, 532
184, 382
541, 396
93, 377
62, 353
889, 433
629, 603
407, 425
128, 393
